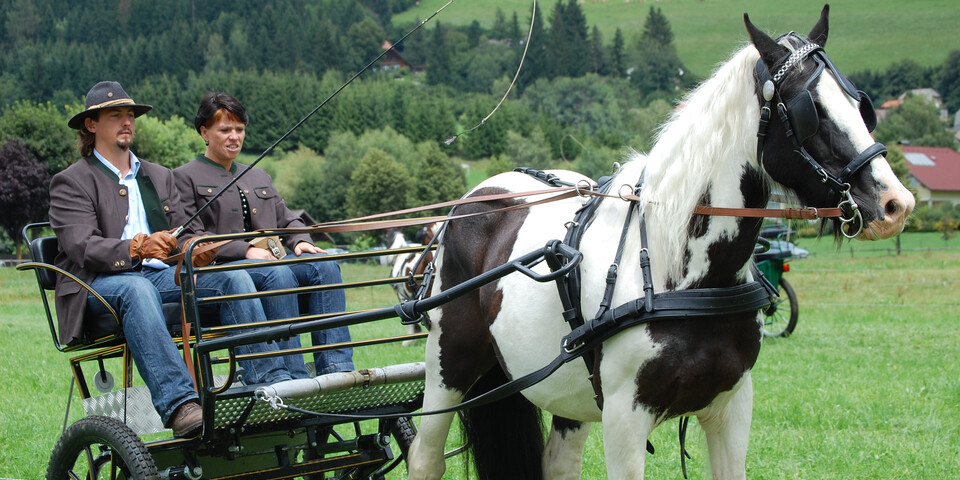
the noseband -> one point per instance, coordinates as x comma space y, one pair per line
800, 122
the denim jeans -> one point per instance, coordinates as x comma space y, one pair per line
279, 307
326, 301
286, 306
137, 296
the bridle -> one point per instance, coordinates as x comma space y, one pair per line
800, 122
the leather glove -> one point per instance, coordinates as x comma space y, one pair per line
202, 258
156, 245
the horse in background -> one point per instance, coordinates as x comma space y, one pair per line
411, 265
814, 144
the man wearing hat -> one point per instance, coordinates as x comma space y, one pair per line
112, 213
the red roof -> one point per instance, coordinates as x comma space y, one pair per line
937, 168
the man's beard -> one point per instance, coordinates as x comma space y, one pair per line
124, 144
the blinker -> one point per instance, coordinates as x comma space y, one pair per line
867, 112
802, 113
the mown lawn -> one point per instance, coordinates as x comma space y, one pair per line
864, 34
867, 387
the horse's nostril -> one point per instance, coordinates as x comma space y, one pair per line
893, 208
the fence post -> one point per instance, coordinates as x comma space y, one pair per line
898, 245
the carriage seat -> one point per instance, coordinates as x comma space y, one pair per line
99, 330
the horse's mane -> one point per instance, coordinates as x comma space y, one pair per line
709, 138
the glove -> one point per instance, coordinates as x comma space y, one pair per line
202, 257
156, 245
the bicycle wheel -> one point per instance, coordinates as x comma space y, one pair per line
781, 318
100, 447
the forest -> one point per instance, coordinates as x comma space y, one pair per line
577, 102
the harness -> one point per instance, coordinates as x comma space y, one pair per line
800, 122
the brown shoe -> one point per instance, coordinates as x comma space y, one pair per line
187, 420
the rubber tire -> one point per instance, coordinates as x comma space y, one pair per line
404, 430
109, 435
776, 322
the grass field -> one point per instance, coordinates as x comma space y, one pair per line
867, 387
865, 34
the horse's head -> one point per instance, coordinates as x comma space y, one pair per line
815, 135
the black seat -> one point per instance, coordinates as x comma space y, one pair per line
99, 330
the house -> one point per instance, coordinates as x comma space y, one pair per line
931, 96
935, 172
392, 60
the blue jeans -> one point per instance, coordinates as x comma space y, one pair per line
286, 306
137, 296
279, 307
326, 301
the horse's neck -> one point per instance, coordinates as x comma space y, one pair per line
706, 154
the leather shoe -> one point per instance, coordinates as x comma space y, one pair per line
187, 420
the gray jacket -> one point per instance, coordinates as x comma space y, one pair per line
201, 179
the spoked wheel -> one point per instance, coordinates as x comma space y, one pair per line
100, 448
781, 318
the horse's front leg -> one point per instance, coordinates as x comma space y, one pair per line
425, 459
625, 432
563, 455
727, 428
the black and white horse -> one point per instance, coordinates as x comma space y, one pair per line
815, 145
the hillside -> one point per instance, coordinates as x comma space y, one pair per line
866, 34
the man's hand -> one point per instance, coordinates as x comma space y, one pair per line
156, 245
305, 247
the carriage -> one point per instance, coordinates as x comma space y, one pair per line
660, 250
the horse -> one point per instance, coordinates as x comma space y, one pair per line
411, 265
814, 144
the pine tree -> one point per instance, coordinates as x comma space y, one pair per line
617, 58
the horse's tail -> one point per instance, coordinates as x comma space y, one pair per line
506, 436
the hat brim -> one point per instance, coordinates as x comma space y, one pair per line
77, 121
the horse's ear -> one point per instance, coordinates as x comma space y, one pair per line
818, 34
770, 50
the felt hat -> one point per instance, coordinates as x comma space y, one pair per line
106, 95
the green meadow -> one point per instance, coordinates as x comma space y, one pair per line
867, 387
864, 34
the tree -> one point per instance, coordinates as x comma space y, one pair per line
170, 143
439, 69
658, 65
43, 128
949, 84
533, 151
24, 183
438, 179
379, 184
596, 50
618, 58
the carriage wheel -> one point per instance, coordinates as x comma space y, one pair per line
781, 318
403, 431
100, 447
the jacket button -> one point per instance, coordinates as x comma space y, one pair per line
166, 208
123, 262
209, 190
254, 211
126, 218
116, 264
264, 192
123, 192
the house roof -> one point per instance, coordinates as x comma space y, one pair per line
937, 168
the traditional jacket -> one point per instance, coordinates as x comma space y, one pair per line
201, 179
88, 210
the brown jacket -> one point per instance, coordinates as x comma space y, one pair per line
201, 179
88, 210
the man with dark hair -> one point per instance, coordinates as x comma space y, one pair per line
112, 213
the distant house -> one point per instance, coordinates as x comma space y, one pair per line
932, 97
392, 60
935, 172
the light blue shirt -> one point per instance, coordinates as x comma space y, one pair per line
136, 213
